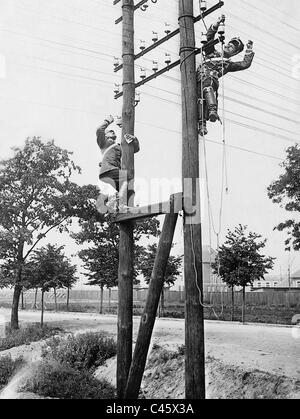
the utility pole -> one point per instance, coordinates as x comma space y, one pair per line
194, 329
130, 372
125, 280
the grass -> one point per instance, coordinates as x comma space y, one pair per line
60, 381
84, 352
8, 367
66, 371
25, 336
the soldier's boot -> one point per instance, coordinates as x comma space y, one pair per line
202, 117
212, 104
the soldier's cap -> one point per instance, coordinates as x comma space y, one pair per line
238, 44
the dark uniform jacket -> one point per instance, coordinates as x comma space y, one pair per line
215, 67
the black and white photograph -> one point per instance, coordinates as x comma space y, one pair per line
149, 202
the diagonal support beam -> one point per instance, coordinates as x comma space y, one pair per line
148, 318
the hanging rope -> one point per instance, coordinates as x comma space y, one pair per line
224, 179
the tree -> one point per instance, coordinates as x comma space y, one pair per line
51, 270
172, 272
101, 258
239, 262
286, 192
36, 196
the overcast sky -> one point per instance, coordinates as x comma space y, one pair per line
57, 80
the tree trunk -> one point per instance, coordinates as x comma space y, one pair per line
42, 309
244, 305
22, 300
14, 323
55, 298
232, 304
101, 299
15, 307
162, 302
35, 299
68, 299
109, 300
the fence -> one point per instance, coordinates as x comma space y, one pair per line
80, 297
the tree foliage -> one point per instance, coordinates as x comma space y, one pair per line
239, 261
50, 268
101, 257
36, 196
286, 192
147, 262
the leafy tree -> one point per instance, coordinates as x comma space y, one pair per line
36, 196
286, 192
101, 258
172, 272
239, 262
51, 270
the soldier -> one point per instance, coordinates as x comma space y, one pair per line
215, 66
111, 172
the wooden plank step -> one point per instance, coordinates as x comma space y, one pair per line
174, 206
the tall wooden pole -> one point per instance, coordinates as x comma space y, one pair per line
194, 329
125, 282
149, 314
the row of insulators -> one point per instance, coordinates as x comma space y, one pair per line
168, 60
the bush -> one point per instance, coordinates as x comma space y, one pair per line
60, 381
85, 352
27, 335
8, 368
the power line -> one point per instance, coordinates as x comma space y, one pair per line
214, 142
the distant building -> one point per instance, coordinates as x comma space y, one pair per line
276, 282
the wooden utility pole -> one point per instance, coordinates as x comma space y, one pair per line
194, 329
149, 314
125, 281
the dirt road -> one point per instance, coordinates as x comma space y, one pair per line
275, 350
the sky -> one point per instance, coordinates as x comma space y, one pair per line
57, 82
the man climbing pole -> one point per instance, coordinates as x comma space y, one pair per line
111, 172
215, 65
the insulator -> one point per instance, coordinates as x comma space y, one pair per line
143, 45
144, 7
221, 30
155, 37
203, 38
167, 29
118, 120
143, 73
155, 66
203, 6
116, 62
117, 89
137, 97
168, 59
